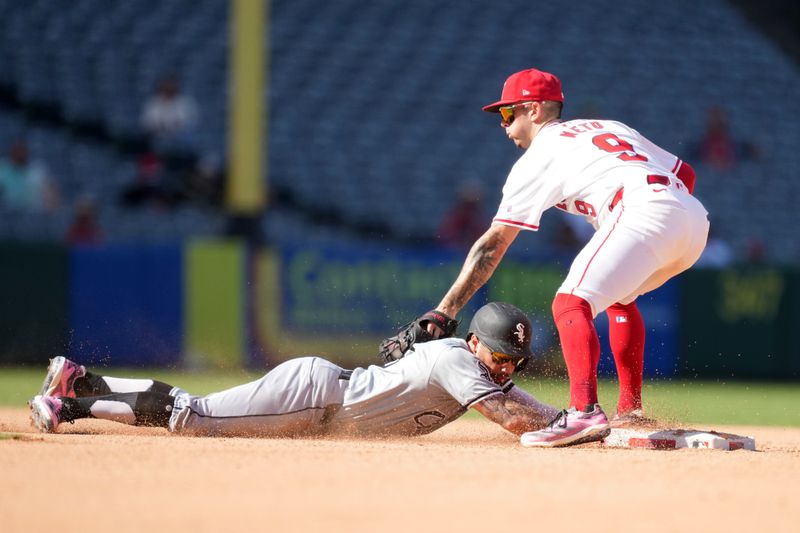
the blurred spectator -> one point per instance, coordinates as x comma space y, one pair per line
170, 117
717, 254
24, 183
147, 188
718, 148
85, 228
756, 251
464, 222
203, 184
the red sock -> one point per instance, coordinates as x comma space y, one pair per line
581, 347
626, 336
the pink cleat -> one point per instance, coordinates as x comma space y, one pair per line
570, 427
45, 411
61, 376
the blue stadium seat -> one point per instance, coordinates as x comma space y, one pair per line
371, 99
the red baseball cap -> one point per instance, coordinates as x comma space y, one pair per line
528, 85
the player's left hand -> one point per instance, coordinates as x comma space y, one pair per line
423, 329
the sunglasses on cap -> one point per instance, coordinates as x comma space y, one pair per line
500, 358
507, 112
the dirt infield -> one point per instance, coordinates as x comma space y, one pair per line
469, 476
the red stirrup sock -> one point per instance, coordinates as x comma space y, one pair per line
581, 347
626, 335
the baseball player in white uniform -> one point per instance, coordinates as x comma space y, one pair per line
434, 384
648, 227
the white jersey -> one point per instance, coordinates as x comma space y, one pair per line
432, 385
579, 166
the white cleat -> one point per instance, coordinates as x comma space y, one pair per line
45, 412
61, 376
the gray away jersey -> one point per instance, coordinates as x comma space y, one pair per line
432, 385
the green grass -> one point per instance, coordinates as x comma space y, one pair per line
696, 402
686, 402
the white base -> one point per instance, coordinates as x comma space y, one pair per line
670, 439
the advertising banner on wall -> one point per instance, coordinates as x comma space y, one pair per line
340, 302
345, 290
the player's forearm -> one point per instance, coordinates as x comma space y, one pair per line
482, 260
522, 418
525, 413
515, 417
524, 421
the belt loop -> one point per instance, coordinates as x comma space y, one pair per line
657, 179
616, 199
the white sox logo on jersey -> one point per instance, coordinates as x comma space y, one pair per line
520, 333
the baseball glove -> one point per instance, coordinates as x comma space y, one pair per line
395, 348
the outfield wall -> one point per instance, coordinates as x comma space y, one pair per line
740, 322
216, 304
34, 291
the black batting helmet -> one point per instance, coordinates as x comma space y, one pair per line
503, 328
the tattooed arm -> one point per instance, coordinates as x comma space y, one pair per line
481, 262
517, 411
